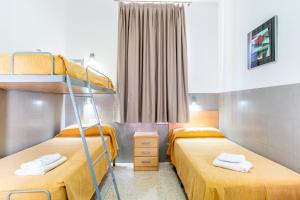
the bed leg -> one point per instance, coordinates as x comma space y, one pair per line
181, 185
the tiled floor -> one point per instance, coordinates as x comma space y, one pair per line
145, 185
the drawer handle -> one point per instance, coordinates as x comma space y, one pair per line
146, 161
145, 152
146, 142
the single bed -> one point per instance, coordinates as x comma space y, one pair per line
192, 155
44, 67
71, 180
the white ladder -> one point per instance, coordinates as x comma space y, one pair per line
91, 163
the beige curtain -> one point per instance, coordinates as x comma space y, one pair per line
152, 63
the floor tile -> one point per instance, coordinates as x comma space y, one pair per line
144, 185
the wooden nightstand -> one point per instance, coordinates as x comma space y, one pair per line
146, 151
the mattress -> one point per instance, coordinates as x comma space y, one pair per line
71, 180
40, 64
203, 181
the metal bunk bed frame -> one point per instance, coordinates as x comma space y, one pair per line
17, 81
70, 82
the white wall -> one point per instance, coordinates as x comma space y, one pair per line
32, 24
202, 35
92, 26
242, 16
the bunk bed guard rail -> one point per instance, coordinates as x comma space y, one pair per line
12, 66
16, 192
88, 68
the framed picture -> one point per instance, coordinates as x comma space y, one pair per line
262, 44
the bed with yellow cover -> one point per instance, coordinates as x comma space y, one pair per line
46, 64
72, 179
192, 153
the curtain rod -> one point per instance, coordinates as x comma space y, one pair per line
153, 1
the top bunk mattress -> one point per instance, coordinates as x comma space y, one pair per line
41, 64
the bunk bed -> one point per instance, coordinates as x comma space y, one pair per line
44, 72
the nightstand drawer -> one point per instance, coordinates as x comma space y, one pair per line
145, 152
146, 161
145, 142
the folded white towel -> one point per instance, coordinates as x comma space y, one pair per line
240, 167
41, 161
233, 158
40, 171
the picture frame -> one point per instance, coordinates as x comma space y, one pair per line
262, 43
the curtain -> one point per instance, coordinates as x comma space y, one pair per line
152, 63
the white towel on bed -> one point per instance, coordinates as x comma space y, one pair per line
41, 161
240, 167
41, 170
233, 158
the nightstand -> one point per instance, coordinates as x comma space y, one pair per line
146, 151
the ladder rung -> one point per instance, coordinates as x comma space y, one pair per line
87, 128
99, 157
84, 96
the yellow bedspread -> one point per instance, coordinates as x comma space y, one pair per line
40, 64
71, 180
108, 130
203, 181
189, 133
